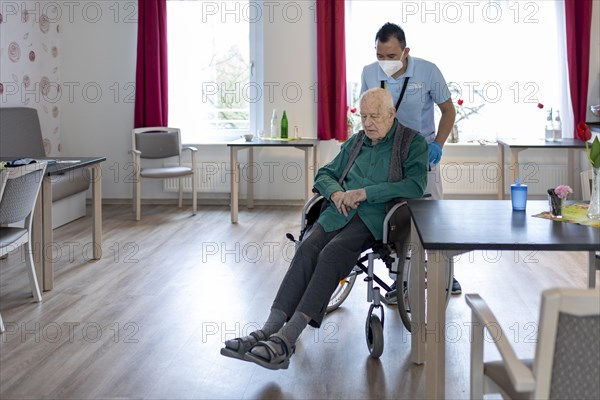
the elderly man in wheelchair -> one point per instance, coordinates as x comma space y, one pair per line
384, 162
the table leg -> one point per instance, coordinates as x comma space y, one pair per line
514, 165
435, 366
501, 178
97, 210
37, 238
315, 159
307, 182
235, 177
315, 163
417, 298
592, 269
47, 235
250, 177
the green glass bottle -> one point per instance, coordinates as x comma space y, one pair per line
284, 126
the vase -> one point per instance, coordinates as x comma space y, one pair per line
594, 207
556, 206
453, 138
350, 129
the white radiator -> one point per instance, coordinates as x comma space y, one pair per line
457, 178
482, 179
213, 177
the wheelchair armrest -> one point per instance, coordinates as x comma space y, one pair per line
399, 202
389, 216
307, 206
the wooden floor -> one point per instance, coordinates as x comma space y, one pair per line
147, 321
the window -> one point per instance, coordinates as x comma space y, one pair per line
500, 54
209, 68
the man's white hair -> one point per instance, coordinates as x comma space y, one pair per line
382, 94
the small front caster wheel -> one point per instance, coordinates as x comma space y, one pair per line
374, 335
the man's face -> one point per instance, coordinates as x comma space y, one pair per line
390, 50
377, 118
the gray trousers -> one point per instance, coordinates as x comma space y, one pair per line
321, 261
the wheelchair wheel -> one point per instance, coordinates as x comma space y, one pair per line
374, 336
402, 284
341, 292
402, 294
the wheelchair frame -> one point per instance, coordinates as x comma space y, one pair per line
386, 251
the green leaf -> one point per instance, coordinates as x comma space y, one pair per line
594, 153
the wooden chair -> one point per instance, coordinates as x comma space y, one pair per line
567, 355
19, 193
160, 143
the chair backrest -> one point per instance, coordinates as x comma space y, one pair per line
3, 179
157, 142
567, 361
586, 184
20, 192
20, 133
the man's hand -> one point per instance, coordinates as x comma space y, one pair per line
351, 199
338, 200
435, 153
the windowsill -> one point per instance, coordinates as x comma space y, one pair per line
472, 143
222, 140
218, 140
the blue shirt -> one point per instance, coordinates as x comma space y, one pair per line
426, 85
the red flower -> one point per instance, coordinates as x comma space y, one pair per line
460, 102
583, 132
540, 105
353, 110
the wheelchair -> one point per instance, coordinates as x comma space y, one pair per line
395, 252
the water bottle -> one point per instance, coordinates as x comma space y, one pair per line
557, 128
274, 124
549, 136
284, 126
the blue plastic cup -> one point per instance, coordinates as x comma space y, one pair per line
518, 195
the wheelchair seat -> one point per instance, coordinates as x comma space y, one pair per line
394, 250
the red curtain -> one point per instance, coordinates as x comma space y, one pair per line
331, 62
151, 90
578, 16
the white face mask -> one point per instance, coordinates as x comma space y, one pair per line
390, 67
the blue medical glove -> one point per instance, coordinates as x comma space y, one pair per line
435, 153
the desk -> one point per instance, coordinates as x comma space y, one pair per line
517, 145
301, 144
42, 220
451, 227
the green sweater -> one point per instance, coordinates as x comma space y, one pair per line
371, 171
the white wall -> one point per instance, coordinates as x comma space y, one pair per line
98, 63
29, 64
